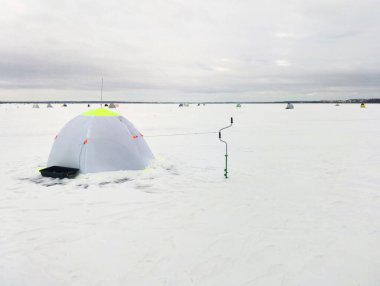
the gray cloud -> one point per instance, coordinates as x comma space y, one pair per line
163, 50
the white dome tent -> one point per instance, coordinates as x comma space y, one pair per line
290, 106
112, 105
49, 105
100, 140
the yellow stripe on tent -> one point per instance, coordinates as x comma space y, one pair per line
100, 112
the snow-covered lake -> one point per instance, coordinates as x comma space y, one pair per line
301, 206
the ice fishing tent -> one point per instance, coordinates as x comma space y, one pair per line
362, 105
36, 106
290, 106
112, 105
100, 140
238, 105
49, 105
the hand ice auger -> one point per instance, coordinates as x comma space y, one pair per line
226, 155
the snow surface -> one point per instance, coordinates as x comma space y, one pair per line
301, 206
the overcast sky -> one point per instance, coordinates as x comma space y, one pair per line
190, 49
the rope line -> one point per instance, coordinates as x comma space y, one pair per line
181, 134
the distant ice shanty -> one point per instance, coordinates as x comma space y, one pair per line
36, 106
289, 106
100, 140
112, 105
49, 105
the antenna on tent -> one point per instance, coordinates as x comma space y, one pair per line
226, 155
101, 95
